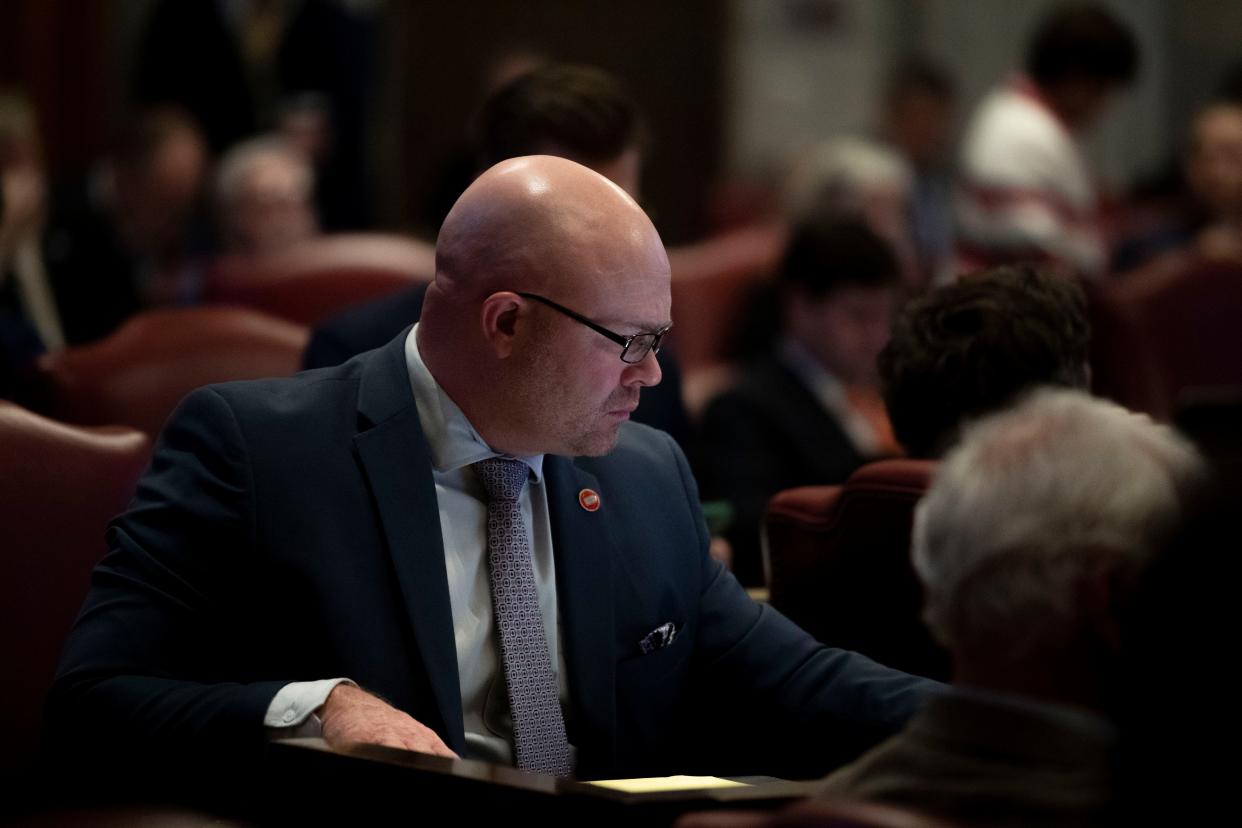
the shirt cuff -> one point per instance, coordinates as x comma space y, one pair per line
291, 713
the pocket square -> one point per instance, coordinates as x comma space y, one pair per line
659, 638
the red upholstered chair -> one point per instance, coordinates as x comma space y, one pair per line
321, 276
1167, 333
59, 486
838, 560
137, 375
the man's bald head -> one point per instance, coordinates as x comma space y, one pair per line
548, 226
516, 222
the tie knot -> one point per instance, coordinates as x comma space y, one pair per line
502, 477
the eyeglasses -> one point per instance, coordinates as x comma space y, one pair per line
634, 349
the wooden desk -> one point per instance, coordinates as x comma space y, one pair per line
373, 784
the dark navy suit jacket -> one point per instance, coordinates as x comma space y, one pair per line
288, 530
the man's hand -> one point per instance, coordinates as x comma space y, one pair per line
350, 714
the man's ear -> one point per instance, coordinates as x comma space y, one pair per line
499, 318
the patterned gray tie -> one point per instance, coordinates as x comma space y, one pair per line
539, 740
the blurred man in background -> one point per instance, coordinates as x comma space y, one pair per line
1211, 225
29, 319
807, 412
263, 193
1027, 544
970, 348
917, 119
128, 235
1025, 191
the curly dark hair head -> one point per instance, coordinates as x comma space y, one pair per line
966, 349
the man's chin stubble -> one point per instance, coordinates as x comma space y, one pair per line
597, 445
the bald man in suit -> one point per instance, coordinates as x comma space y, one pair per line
316, 554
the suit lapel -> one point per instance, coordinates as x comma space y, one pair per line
832, 455
584, 560
397, 462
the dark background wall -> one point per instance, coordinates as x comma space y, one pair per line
58, 53
670, 53
731, 87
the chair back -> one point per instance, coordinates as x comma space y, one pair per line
838, 561
136, 376
1168, 334
59, 486
322, 276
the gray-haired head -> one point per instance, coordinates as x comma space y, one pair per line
263, 192
1034, 500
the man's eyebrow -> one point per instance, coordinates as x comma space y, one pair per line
645, 327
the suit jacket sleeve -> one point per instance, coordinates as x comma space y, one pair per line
144, 662
769, 696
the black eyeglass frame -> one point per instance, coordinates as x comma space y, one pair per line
657, 337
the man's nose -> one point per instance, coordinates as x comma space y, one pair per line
646, 372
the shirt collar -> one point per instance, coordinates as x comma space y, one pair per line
831, 394
454, 442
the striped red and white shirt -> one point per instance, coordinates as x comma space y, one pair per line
1024, 191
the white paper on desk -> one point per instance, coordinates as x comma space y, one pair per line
656, 784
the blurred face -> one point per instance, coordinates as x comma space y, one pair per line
156, 200
885, 209
920, 124
19, 147
575, 391
1214, 166
846, 330
308, 131
272, 210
